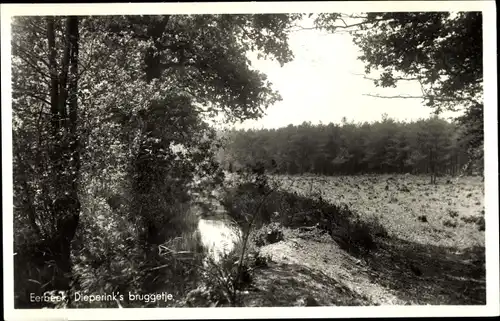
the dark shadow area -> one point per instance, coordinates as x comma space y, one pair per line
428, 274
33, 272
286, 285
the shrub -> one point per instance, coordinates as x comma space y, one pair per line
222, 280
470, 219
203, 296
452, 213
268, 234
357, 237
257, 260
353, 233
481, 224
33, 272
449, 223
422, 218
249, 201
109, 256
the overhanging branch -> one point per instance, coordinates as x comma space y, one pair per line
430, 97
395, 96
395, 78
37, 97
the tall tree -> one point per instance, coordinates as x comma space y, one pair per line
52, 197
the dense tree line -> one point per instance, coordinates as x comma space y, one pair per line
432, 145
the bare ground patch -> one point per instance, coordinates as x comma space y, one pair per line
397, 273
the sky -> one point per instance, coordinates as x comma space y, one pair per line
325, 83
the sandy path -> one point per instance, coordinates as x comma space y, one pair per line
327, 258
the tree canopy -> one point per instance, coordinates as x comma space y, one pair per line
441, 50
99, 103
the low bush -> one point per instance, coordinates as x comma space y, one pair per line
481, 224
470, 219
268, 234
257, 260
223, 280
358, 236
450, 223
452, 213
248, 201
423, 218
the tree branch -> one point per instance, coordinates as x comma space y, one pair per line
33, 95
27, 54
348, 26
352, 16
86, 67
456, 99
299, 28
35, 68
395, 78
395, 97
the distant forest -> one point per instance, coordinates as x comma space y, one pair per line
425, 146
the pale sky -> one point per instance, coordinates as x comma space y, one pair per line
324, 83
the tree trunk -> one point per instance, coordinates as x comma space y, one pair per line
65, 157
54, 79
432, 165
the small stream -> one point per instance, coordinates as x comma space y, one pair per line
218, 234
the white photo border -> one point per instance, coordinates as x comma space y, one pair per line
490, 141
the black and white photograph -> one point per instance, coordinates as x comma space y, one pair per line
315, 156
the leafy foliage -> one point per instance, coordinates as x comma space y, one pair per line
442, 50
125, 101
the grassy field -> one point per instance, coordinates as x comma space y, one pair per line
433, 252
446, 214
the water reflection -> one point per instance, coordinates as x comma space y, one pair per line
218, 236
